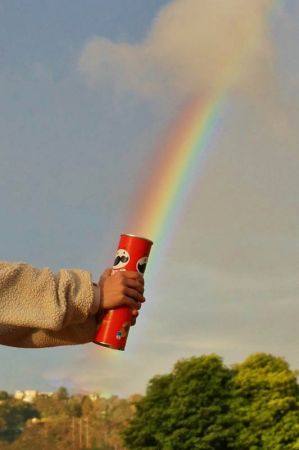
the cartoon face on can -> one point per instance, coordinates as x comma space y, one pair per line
122, 258
141, 265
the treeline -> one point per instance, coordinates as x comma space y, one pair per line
202, 404
64, 422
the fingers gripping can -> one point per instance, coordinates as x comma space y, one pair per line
132, 254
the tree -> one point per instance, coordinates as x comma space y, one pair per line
74, 408
4, 395
187, 409
206, 406
265, 404
150, 423
62, 393
87, 406
13, 416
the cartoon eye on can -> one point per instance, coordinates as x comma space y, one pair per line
122, 258
141, 264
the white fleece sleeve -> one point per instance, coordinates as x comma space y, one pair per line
33, 299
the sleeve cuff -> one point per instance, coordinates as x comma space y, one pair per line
96, 299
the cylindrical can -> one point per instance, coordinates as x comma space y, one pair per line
132, 254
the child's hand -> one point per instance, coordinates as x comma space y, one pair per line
123, 288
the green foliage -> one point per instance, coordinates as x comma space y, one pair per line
186, 409
151, 422
13, 416
199, 401
74, 408
86, 406
51, 406
4, 395
265, 404
62, 393
204, 405
201, 404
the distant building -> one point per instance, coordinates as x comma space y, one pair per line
45, 394
26, 396
94, 397
29, 396
19, 395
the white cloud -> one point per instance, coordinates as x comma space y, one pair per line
190, 48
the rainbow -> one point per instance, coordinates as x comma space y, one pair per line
180, 152
179, 155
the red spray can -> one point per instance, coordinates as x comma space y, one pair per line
132, 254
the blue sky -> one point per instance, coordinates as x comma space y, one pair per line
87, 89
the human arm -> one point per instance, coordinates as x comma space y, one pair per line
39, 308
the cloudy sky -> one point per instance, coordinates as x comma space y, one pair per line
88, 90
